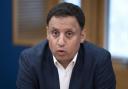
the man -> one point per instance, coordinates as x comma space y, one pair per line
65, 60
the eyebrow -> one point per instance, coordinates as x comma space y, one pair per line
67, 29
54, 28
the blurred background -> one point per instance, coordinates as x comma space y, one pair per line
23, 25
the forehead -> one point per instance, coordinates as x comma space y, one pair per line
64, 22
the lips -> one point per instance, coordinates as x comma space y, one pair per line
61, 52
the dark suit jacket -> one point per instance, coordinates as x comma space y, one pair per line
93, 69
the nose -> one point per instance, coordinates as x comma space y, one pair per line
61, 40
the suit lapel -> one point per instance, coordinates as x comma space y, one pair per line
76, 78
50, 72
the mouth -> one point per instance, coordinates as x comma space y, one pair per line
61, 52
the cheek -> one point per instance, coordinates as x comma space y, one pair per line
76, 41
52, 44
74, 45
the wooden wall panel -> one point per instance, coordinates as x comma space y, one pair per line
121, 72
94, 12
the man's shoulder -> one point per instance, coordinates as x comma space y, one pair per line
94, 52
93, 48
37, 49
35, 53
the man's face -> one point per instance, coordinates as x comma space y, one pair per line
64, 35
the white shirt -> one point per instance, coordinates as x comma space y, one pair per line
65, 74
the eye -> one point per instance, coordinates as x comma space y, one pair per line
69, 34
55, 33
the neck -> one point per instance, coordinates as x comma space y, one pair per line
64, 63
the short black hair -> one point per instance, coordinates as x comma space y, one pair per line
67, 9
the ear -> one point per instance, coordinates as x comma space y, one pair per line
83, 35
